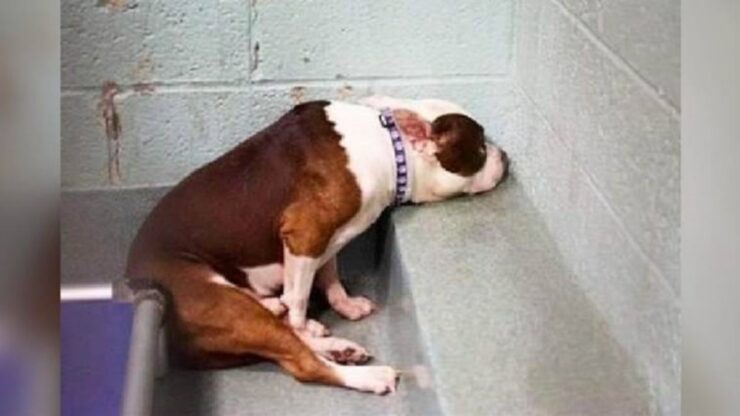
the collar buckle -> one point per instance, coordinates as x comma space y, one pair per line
386, 119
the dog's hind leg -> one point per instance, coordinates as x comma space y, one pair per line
216, 326
276, 306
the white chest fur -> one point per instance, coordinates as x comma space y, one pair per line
371, 161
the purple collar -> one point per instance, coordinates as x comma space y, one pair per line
402, 175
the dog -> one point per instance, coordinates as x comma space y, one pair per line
239, 243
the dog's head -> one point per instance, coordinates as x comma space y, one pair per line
450, 153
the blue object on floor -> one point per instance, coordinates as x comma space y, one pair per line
14, 384
94, 348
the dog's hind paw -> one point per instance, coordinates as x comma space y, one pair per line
374, 379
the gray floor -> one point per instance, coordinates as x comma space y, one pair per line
390, 335
507, 330
476, 309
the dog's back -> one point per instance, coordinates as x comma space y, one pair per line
227, 212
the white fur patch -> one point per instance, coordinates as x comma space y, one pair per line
299, 276
220, 280
491, 173
372, 378
371, 161
265, 280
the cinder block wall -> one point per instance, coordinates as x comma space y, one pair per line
594, 131
584, 94
153, 89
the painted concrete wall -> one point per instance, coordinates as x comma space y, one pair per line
594, 133
583, 94
177, 83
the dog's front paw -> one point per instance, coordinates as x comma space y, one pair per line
311, 328
316, 329
354, 308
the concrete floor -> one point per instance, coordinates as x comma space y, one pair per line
506, 328
476, 307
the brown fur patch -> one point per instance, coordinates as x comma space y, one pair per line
288, 182
461, 144
214, 326
325, 197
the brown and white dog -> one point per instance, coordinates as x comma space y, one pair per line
271, 215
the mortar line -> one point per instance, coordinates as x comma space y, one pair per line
250, 40
592, 183
72, 189
620, 62
154, 88
419, 79
220, 86
514, 37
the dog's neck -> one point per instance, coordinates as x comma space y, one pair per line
403, 170
415, 132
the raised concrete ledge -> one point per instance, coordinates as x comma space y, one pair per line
505, 325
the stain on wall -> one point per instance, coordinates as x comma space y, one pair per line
297, 94
345, 92
111, 121
257, 58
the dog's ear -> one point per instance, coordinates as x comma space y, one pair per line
460, 143
417, 131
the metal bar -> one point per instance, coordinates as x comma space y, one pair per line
138, 392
